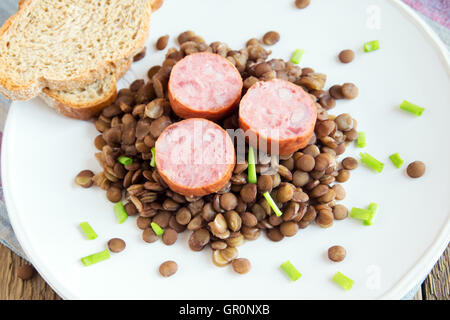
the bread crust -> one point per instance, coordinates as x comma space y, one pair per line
85, 111
26, 91
79, 111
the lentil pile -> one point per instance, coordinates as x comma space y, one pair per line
305, 186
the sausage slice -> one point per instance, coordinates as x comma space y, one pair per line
195, 157
204, 85
278, 111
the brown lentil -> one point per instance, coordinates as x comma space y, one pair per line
325, 218
346, 56
350, 163
336, 92
339, 192
241, 265
340, 212
130, 208
99, 142
114, 194
169, 236
289, 229
228, 201
84, 179
116, 245
349, 91
249, 219
416, 169
149, 235
161, 44
271, 37
168, 268
275, 234
301, 4
139, 56
336, 253
183, 216
218, 245
327, 102
248, 192
265, 183
305, 163
233, 220
343, 175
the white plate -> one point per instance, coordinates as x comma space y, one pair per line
43, 151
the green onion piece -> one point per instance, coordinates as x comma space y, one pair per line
95, 258
297, 56
361, 141
360, 214
396, 160
371, 162
157, 229
411, 107
121, 213
373, 208
88, 231
290, 270
345, 282
272, 204
251, 166
371, 46
125, 160
152, 162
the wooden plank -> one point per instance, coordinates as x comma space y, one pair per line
437, 285
13, 288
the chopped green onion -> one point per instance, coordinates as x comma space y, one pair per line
95, 258
290, 270
121, 213
361, 141
371, 162
371, 46
373, 208
251, 166
411, 107
125, 160
272, 204
360, 214
157, 229
88, 231
152, 162
396, 160
345, 282
297, 56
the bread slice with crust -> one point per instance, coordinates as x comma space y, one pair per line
87, 102
68, 44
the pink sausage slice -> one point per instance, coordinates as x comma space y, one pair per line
204, 85
195, 157
278, 111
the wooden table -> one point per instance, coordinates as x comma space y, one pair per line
435, 287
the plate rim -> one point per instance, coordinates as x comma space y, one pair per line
413, 276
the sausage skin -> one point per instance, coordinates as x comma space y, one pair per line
204, 85
278, 111
195, 157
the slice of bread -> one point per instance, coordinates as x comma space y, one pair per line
83, 103
69, 44
87, 102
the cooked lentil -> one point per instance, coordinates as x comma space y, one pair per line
116, 245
